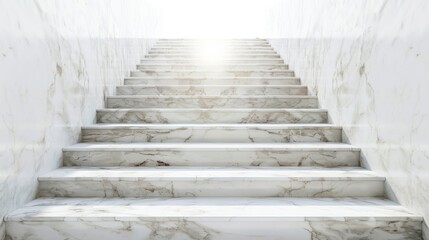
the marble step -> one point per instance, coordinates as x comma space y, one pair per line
211, 67
186, 101
213, 73
226, 51
216, 133
213, 41
214, 219
221, 57
205, 61
216, 46
211, 90
211, 154
236, 115
211, 182
223, 81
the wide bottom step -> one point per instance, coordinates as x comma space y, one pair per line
214, 219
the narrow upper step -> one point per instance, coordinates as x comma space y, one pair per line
206, 61
198, 115
229, 81
226, 56
213, 73
232, 101
211, 67
231, 133
211, 182
199, 90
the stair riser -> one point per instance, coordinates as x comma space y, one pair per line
217, 158
187, 228
202, 61
218, 116
211, 102
226, 48
207, 187
227, 52
148, 73
197, 90
206, 46
214, 81
212, 68
218, 135
220, 60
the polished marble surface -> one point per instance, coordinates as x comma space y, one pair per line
58, 61
215, 218
368, 63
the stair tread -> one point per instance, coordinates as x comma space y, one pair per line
106, 146
211, 173
137, 209
215, 96
217, 109
209, 126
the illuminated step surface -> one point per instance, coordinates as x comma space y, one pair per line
201, 115
225, 81
201, 90
179, 101
211, 182
215, 140
213, 218
211, 154
237, 133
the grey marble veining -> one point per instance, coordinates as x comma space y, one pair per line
222, 73
198, 115
240, 155
231, 133
177, 101
211, 90
229, 55
211, 67
199, 60
210, 182
214, 219
225, 81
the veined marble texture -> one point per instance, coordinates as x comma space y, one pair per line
222, 73
199, 154
187, 115
201, 60
239, 133
230, 55
210, 182
185, 101
214, 219
211, 90
368, 63
212, 81
211, 67
58, 60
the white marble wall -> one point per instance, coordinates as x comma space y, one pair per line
368, 61
58, 62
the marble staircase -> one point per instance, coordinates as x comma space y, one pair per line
212, 140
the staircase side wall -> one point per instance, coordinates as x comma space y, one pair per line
368, 62
58, 62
